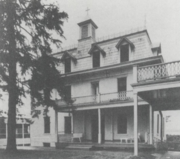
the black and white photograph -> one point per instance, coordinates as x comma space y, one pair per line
89, 79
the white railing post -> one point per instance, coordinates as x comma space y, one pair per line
150, 125
135, 74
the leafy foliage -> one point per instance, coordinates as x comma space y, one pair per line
34, 25
27, 29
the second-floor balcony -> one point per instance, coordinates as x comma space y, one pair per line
168, 70
116, 97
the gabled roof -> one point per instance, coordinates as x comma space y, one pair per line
95, 48
126, 40
67, 54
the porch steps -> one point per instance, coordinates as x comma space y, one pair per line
82, 147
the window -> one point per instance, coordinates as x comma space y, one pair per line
47, 124
122, 84
19, 131
95, 88
46, 144
68, 92
122, 124
84, 32
2, 129
67, 65
96, 59
124, 54
93, 32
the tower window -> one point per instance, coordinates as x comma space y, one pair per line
84, 32
96, 59
124, 54
67, 65
93, 32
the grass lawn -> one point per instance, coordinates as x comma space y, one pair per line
68, 154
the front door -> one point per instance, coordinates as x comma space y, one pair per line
67, 128
94, 127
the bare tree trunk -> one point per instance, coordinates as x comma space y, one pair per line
12, 88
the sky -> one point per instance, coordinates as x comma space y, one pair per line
161, 18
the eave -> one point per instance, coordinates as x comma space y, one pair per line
157, 59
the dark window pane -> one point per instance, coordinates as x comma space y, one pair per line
96, 59
67, 65
68, 92
46, 124
122, 124
122, 84
124, 53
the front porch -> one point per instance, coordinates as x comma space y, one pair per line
111, 146
107, 128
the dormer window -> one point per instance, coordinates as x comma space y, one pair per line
67, 65
96, 59
66, 59
96, 52
125, 46
84, 33
124, 53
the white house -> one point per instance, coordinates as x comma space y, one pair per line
115, 83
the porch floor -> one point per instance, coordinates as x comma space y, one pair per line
113, 146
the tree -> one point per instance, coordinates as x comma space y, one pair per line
26, 37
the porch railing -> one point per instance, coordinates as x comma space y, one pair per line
101, 98
158, 71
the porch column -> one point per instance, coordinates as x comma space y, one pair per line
135, 125
56, 125
99, 126
72, 123
150, 125
23, 131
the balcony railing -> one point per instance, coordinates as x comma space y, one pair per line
158, 71
100, 98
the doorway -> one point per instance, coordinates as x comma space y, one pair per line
94, 127
67, 128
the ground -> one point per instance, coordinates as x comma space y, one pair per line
69, 154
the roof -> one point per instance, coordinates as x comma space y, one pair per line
67, 54
126, 40
87, 20
96, 47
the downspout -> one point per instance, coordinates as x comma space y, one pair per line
161, 133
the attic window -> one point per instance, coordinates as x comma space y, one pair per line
84, 32
124, 53
96, 59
